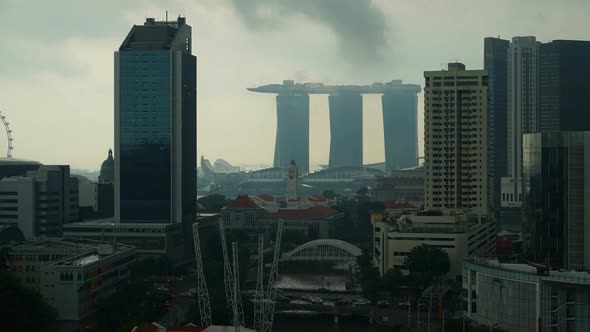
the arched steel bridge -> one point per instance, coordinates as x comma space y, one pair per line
323, 250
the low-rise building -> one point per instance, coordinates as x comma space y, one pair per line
71, 274
149, 239
317, 221
403, 184
521, 297
41, 201
457, 234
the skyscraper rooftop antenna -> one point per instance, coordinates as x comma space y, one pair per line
166, 15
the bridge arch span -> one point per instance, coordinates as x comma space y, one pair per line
323, 250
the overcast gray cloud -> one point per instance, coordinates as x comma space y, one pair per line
359, 24
56, 63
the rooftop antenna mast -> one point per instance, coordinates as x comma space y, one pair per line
259, 295
271, 293
202, 291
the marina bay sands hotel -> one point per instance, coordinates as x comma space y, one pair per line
400, 108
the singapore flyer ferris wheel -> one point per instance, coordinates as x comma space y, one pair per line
8, 131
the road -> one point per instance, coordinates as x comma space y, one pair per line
180, 304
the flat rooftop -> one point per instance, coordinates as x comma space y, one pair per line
291, 88
79, 252
111, 222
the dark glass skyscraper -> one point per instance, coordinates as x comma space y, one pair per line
292, 138
556, 211
496, 64
155, 124
564, 69
346, 129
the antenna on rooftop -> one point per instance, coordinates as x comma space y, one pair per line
166, 15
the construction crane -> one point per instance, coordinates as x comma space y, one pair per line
202, 292
259, 295
238, 309
227, 271
271, 293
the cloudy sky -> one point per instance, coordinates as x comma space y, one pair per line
56, 62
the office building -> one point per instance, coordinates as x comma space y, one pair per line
522, 298
564, 68
41, 201
346, 129
456, 140
71, 274
496, 64
556, 219
155, 124
292, 137
400, 125
523, 111
458, 235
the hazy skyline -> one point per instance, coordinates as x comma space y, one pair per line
59, 101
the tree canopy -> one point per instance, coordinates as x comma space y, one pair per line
24, 307
428, 262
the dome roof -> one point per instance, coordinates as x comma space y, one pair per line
107, 169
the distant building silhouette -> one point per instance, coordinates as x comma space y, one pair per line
400, 125
292, 137
155, 124
346, 129
107, 169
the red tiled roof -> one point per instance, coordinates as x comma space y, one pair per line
312, 213
317, 198
267, 198
399, 205
242, 202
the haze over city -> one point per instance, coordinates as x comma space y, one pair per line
57, 67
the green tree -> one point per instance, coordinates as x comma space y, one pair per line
24, 307
130, 305
369, 277
329, 194
426, 262
391, 282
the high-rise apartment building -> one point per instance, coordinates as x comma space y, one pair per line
523, 112
564, 69
496, 64
556, 213
456, 139
155, 124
